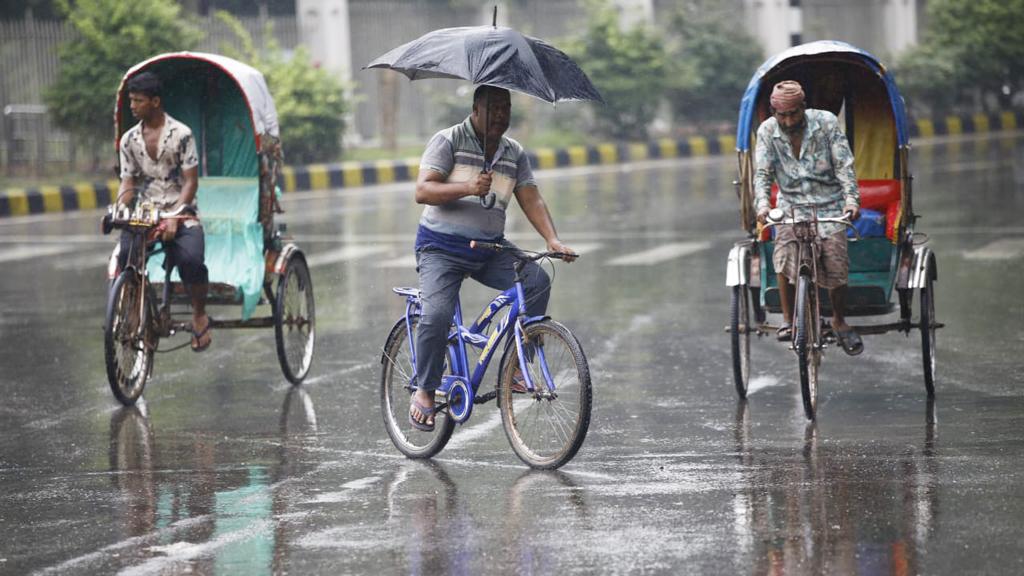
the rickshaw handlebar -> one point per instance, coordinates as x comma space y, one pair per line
844, 220
144, 215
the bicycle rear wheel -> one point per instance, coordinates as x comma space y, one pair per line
395, 390
806, 341
128, 358
295, 320
928, 329
546, 428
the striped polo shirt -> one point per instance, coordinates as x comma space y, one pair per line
457, 154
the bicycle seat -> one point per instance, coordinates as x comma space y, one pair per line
414, 292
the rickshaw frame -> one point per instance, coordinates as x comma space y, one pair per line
852, 83
228, 106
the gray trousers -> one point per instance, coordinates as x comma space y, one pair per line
441, 274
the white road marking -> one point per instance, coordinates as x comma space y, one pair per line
81, 261
19, 252
1005, 249
660, 254
408, 262
344, 254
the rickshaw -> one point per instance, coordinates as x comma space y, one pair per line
251, 261
855, 86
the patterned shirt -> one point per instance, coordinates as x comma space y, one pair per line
457, 155
159, 181
823, 174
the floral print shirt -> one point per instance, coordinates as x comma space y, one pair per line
159, 181
822, 175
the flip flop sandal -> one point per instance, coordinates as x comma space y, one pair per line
784, 333
421, 426
197, 336
850, 341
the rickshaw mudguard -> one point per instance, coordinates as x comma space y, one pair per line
737, 270
924, 267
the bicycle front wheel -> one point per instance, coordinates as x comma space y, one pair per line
739, 331
806, 341
128, 358
547, 426
395, 391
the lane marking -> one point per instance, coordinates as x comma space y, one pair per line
408, 262
660, 254
343, 254
19, 252
78, 262
1005, 249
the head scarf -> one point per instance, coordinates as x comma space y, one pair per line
786, 95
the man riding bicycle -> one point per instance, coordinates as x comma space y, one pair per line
806, 153
160, 165
453, 180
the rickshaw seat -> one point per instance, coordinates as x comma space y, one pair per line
880, 195
228, 210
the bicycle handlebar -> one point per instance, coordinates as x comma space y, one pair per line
517, 253
144, 215
779, 220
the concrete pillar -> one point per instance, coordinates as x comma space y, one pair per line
775, 23
900, 24
324, 30
635, 12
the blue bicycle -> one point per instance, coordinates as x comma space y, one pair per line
543, 387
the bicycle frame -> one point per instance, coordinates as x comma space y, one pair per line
462, 337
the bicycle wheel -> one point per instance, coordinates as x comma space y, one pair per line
806, 341
739, 330
395, 389
128, 358
928, 330
295, 320
546, 428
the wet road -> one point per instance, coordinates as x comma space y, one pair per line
226, 469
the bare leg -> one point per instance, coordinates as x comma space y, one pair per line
838, 297
786, 298
200, 321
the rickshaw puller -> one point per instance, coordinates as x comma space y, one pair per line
806, 153
160, 164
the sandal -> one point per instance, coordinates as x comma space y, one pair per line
850, 341
427, 412
518, 385
784, 333
197, 337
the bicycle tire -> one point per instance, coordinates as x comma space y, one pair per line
295, 320
128, 358
551, 448
739, 332
928, 331
395, 390
806, 342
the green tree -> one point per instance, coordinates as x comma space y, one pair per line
713, 61
112, 36
629, 67
311, 103
986, 38
928, 79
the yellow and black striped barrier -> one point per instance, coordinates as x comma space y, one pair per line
47, 199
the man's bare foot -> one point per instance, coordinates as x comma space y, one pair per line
421, 410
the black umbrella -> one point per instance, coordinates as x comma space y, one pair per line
496, 56
492, 55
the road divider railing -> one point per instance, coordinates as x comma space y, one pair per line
87, 196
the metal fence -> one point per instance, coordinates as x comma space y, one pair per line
29, 63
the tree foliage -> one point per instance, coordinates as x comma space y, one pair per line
112, 36
311, 103
713, 60
971, 48
629, 67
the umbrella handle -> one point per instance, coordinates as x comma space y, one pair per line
488, 200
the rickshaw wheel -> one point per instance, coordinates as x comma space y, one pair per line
739, 331
295, 319
805, 341
928, 332
128, 359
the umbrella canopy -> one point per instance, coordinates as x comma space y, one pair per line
496, 56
